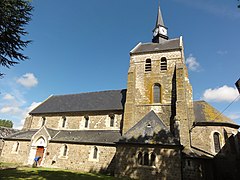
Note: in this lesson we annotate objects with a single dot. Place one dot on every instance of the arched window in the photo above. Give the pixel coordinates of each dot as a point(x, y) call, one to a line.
point(163, 63)
point(112, 116)
point(65, 150)
point(43, 121)
point(86, 117)
point(95, 152)
point(146, 159)
point(148, 65)
point(140, 160)
point(156, 93)
point(216, 139)
point(17, 146)
point(64, 121)
point(152, 160)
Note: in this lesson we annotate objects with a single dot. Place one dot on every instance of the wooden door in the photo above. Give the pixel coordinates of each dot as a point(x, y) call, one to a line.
point(39, 152)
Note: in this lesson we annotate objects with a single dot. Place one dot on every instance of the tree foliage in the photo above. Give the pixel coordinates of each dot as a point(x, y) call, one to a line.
point(14, 16)
point(6, 123)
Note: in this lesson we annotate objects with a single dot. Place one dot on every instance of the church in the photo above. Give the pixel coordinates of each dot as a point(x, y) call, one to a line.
point(151, 130)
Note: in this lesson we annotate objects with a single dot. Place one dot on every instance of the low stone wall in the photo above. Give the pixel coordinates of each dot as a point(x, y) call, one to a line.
point(3, 133)
point(80, 157)
point(167, 163)
point(13, 154)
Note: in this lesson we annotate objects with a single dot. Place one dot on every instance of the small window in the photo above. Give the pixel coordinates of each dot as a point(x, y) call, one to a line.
point(216, 139)
point(65, 150)
point(64, 121)
point(140, 160)
point(152, 160)
point(86, 117)
point(163, 63)
point(112, 117)
point(156, 93)
point(148, 65)
point(17, 146)
point(95, 152)
point(43, 121)
point(148, 131)
point(146, 159)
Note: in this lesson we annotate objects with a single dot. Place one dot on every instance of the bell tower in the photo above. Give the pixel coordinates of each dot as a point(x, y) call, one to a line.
point(158, 82)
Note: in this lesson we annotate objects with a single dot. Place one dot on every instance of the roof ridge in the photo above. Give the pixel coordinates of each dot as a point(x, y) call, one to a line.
point(146, 43)
point(88, 92)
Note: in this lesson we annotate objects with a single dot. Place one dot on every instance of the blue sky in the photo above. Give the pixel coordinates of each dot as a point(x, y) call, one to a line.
point(83, 46)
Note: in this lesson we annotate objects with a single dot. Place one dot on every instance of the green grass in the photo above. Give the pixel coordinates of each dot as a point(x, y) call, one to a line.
point(13, 171)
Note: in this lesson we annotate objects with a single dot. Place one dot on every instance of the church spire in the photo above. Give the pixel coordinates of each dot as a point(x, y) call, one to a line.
point(160, 31)
point(159, 21)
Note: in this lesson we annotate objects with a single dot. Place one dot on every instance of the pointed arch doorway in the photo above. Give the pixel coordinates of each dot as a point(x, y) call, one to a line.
point(38, 149)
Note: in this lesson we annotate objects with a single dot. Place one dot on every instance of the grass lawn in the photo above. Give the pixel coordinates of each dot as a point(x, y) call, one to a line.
point(11, 171)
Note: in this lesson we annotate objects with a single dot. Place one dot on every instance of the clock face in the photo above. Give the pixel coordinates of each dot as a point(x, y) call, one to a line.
point(155, 32)
point(163, 31)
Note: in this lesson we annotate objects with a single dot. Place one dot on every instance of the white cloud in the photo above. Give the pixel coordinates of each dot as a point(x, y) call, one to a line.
point(192, 63)
point(8, 97)
point(32, 106)
point(221, 94)
point(221, 52)
point(10, 110)
point(234, 116)
point(28, 80)
point(19, 111)
point(24, 114)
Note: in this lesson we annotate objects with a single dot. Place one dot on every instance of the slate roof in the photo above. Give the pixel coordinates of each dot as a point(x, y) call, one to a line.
point(204, 112)
point(88, 136)
point(4, 131)
point(72, 136)
point(83, 102)
point(22, 135)
point(194, 153)
point(171, 44)
point(149, 130)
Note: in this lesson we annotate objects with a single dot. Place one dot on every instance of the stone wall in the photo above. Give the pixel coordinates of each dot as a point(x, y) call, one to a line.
point(13, 154)
point(140, 87)
point(76, 122)
point(202, 137)
point(167, 163)
point(80, 157)
point(197, 169)
point(3, 133)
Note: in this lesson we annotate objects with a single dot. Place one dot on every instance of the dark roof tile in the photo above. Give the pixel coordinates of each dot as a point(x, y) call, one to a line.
point(88, 136)
point(83, 102)
point(153, 47)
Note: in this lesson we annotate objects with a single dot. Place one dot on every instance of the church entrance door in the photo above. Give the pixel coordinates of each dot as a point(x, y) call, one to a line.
point(39, 153)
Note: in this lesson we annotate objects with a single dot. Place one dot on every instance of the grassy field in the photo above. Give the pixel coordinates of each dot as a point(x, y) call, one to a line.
point(13, 171)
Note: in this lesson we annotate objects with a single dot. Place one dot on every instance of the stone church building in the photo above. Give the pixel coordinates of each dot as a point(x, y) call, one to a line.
point(151, 130)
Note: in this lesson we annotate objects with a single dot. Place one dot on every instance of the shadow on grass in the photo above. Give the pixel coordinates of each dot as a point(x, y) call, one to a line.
point(38, 173)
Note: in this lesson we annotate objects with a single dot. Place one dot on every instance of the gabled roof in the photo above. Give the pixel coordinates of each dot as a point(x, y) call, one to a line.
point(83, 102)
point(171, 44)
point(149, 130)
point(205, 113)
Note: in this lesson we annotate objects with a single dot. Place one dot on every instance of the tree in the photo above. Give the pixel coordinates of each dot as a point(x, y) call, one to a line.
point(14, 16)
point(6, 123)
